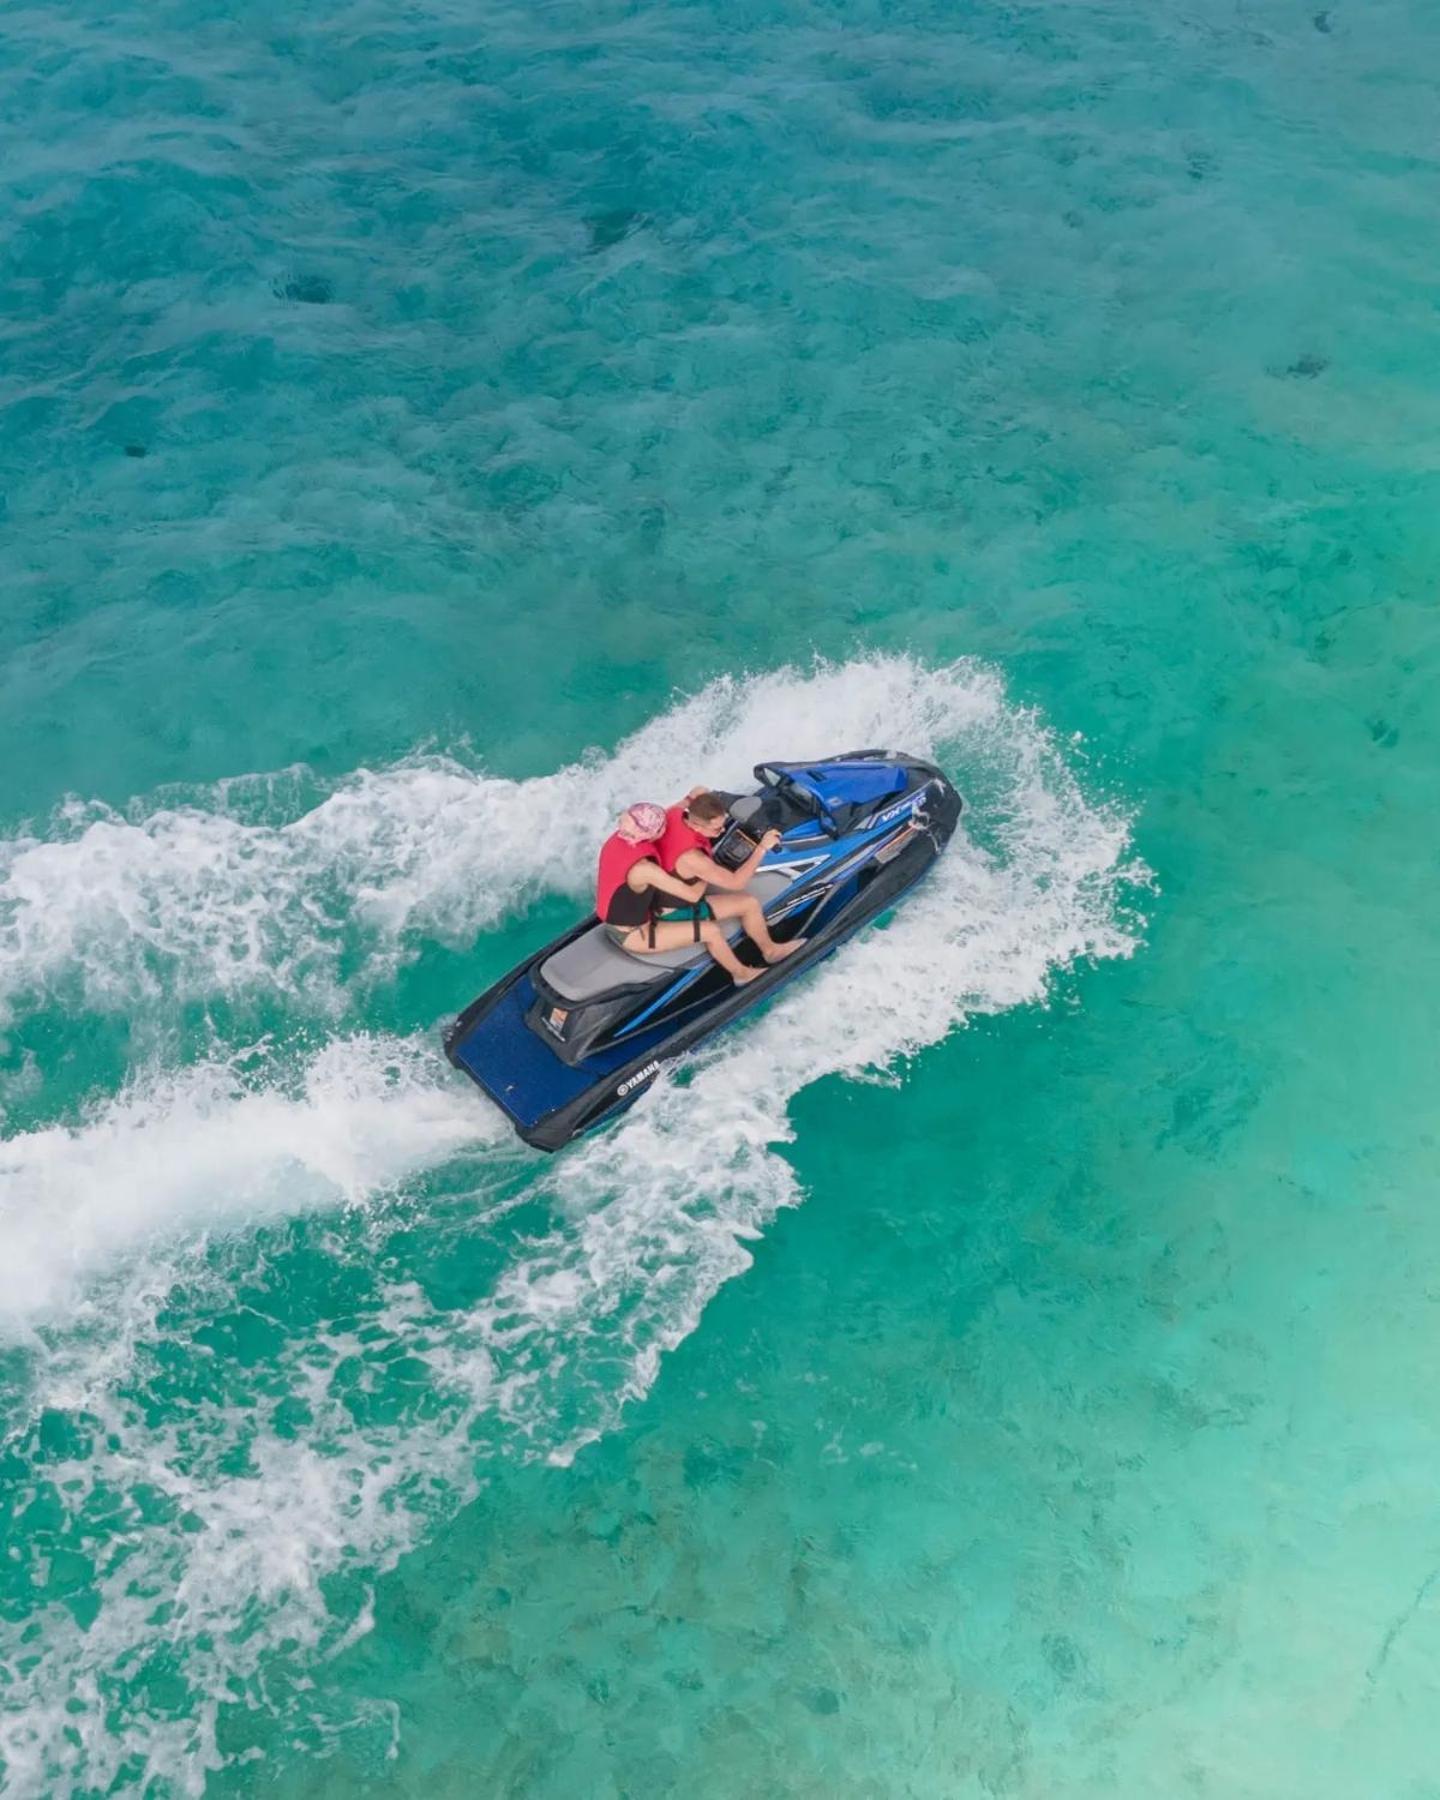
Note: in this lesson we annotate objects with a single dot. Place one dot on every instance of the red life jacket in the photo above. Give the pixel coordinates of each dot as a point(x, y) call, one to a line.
point(618, 856)
point(680, 837)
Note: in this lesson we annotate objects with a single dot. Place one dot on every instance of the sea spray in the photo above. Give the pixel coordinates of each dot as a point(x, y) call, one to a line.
point(229, 891)
point(221, 1145)
point(240, 1506)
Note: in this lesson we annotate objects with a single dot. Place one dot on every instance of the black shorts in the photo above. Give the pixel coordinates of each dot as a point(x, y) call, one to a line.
point(693, 914)
point(628, 909)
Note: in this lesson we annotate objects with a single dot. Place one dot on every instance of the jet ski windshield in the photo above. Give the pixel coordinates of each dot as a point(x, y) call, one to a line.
point(833, 793)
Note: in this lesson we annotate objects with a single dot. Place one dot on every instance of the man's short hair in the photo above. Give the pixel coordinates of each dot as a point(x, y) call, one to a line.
point(707, 808)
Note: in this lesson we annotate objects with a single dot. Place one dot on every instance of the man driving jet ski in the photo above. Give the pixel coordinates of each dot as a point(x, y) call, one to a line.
point(654, 854)
point(690, 829)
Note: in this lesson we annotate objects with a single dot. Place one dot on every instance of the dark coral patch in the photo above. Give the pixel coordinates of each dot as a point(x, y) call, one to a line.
point(309, 290)
point(612, 227)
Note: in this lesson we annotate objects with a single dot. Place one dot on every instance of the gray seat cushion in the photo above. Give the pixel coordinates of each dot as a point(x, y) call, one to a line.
point(594, 963)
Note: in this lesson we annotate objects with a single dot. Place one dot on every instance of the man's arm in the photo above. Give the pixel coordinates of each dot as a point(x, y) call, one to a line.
point(700, 867)
point(674, 885)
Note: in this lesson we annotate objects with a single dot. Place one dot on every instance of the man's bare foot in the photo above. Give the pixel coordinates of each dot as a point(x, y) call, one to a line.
point(746, 975)
point(784, 950)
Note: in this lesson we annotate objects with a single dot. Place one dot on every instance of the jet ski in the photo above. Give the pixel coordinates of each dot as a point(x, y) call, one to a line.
point(577, 1033)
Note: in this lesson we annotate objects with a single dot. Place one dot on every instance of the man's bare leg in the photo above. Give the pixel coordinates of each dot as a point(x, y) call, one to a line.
point(678, 935)
point(748, 910)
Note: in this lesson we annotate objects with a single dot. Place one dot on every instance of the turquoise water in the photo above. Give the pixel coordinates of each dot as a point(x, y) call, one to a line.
point(1005, 1367)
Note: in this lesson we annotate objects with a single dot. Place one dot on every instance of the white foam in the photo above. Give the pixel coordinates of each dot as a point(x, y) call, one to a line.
point(660, 1209)
point(221, 1145)
point(235, 1569)
point(204, 898)
point(99, 1222)
point(648, 1219)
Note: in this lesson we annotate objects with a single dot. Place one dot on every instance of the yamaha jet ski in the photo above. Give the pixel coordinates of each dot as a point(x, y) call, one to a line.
point(580, 1030)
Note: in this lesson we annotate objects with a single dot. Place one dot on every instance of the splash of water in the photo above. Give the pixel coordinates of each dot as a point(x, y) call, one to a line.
point(217, 1146)
point(226, 893)
point(247, 1529)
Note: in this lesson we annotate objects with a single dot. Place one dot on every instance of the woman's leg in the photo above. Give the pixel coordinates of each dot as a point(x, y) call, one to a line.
point(748, 910)
point(681, 934)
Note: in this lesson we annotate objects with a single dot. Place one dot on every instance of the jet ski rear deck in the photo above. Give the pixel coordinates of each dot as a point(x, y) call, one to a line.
point(576, 1033)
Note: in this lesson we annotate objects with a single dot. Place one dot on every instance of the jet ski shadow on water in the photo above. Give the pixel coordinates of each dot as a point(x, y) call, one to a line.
point(578, 1032)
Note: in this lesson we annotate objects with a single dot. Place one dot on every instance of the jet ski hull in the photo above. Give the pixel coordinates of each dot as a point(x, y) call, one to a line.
point(578, 1032)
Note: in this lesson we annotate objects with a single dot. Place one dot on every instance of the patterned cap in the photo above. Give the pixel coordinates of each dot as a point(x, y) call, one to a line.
point(642, 821)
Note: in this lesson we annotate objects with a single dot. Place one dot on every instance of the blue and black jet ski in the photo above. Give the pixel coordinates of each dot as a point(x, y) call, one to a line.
point(580, 1030)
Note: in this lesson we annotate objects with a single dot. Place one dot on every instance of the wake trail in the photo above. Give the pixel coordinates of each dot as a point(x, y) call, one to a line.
point(245, 889)
point(627, 1235)
point(221, 1146)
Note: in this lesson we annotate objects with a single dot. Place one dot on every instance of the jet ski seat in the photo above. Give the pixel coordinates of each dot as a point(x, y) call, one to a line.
point(593, 963)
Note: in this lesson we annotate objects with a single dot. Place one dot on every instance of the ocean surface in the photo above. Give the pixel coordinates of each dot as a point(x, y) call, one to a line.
point(1007, 1366)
